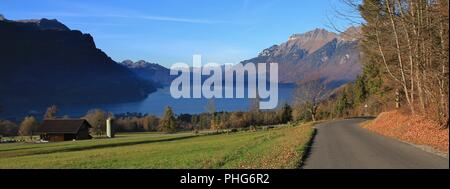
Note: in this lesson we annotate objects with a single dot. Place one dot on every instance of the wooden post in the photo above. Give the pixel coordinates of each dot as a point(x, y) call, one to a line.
point(397, 99)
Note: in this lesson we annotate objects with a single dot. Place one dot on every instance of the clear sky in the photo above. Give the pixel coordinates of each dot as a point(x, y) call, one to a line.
point(170, 31)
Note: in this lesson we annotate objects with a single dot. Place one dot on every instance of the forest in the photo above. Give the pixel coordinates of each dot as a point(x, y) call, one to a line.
point(404, 49)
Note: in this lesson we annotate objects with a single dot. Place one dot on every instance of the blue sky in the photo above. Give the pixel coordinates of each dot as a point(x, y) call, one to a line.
point(170, 31)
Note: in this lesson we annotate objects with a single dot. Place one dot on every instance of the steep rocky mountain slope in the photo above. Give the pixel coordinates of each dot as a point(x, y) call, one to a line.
point(44, 62)
point(150, 71)
point(319, 54)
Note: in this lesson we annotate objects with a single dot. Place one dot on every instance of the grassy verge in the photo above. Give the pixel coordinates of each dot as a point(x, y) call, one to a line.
point(281, 147)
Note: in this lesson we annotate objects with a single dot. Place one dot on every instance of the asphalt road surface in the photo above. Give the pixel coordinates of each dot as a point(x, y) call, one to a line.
point(344, 145)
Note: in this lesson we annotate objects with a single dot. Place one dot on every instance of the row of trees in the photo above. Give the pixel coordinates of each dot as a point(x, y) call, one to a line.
point(404, 45)
point(408, 41)
point(28, 125)
point(211, 119)
point(168, 123)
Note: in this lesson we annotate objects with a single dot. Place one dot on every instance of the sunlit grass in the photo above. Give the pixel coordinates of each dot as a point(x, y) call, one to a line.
point(276, 148)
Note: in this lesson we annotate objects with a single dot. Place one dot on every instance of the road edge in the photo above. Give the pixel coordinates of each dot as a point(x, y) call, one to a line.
point(308, 147)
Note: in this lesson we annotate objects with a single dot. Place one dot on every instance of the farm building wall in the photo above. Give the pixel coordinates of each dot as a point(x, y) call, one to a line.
point(54, 137)
point(83, 134)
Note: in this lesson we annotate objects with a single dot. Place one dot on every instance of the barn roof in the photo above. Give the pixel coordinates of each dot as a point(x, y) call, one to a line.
point(70, 126)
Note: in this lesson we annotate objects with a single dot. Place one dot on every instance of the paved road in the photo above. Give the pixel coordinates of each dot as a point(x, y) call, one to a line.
point(344, 145)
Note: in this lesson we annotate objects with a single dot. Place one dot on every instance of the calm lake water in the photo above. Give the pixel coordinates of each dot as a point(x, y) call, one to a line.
point(156, 102)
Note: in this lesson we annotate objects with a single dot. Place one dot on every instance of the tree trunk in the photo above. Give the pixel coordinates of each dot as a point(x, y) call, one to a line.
point(399, 56)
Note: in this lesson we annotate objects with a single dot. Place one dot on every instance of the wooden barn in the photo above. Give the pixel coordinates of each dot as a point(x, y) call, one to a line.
point(64, 130)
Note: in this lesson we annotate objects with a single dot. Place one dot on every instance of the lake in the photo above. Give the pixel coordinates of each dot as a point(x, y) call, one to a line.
point(155, 104)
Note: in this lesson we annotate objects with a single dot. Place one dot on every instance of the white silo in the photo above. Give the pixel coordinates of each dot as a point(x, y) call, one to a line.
point(109, 132)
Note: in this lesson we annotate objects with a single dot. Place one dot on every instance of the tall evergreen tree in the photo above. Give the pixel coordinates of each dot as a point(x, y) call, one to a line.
point(168, 122)
point(286, 113)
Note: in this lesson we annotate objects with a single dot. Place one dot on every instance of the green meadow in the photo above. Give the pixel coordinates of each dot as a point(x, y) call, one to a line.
point(281, 147)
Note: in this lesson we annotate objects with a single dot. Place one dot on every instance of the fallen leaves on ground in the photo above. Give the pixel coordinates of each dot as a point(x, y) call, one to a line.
point(411, 128)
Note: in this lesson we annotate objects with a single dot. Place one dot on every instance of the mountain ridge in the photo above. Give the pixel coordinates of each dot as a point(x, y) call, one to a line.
point(43, 61)
point(150, 71)
point(317, 54)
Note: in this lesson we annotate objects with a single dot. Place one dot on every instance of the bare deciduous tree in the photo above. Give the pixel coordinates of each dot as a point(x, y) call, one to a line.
point(308, 94)
point(411, 42)
point(51, 112)
point(28, 126)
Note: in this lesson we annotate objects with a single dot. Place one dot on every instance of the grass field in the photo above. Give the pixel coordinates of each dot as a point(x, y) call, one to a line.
point(276, 148)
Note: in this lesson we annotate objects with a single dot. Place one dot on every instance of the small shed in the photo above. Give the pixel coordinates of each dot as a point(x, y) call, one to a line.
point(64, 130)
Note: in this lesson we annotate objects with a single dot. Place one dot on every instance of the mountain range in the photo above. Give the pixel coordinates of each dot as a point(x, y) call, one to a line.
point(318, 54)
point(43, 61)
point(150, 71)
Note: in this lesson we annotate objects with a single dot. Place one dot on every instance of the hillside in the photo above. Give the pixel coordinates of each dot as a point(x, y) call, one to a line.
point(150, 71)
point(45, 62)
point(318, 54)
